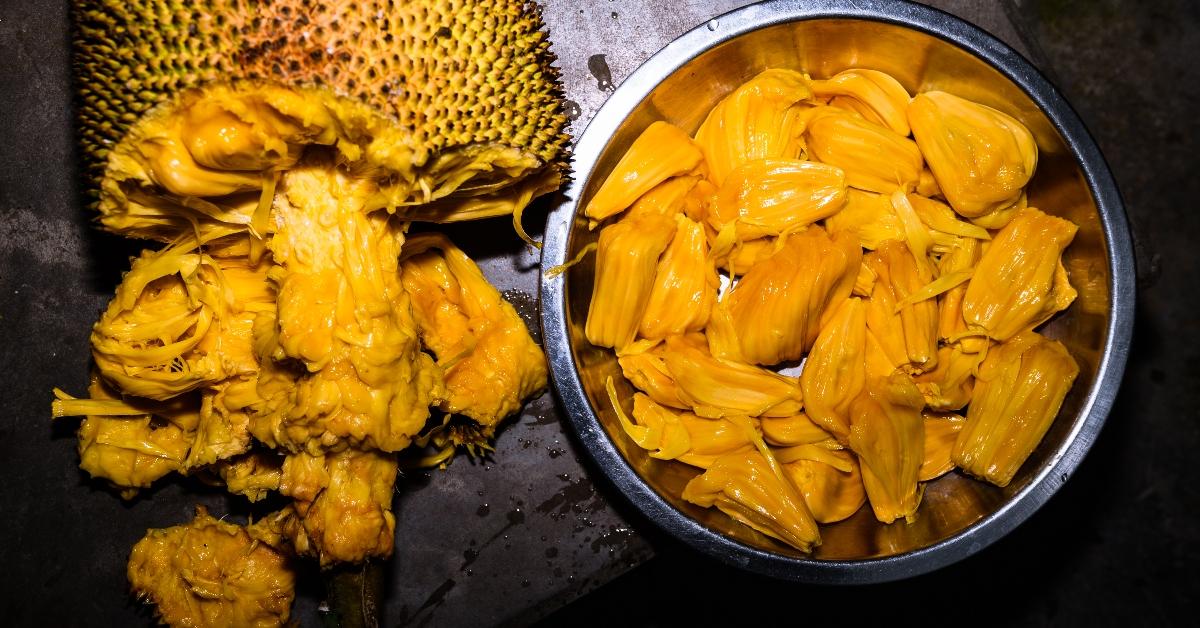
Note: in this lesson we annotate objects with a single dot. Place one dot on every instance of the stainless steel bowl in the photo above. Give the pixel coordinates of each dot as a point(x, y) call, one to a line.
point(925, 49)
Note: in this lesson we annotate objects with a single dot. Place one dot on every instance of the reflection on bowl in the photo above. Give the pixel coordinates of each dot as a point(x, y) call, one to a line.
point(925, 50)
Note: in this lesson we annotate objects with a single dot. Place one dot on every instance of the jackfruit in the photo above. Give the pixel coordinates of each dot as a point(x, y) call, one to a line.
point(1020, 281)
point(714, 387)
point(647, 371)
point(964, 256)
point(941, 430)
point(1019, 389)
point(906, 331)
point(775, 196)
point(834, 373)
point(761, 119)
point(681, 436)
point(215, 92)
point(888, 435)
point(685, 285)
point(662, 151)
point(253, 475)
point(869, 217)
point(744, 486)
point(667, 198)
point(876, 95)
point(626, 263)
point(875, 158)
point(831, 493)
point(949, 386)
point(790, 431)
point(981, 158)
point(778, 307)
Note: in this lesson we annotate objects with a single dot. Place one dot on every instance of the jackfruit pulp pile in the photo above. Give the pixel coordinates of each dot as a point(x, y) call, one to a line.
point(883, 239)
point(289, 334)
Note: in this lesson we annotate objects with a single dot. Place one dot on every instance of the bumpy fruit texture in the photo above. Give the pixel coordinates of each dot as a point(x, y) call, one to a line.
point(834, 373)
point(682, 436)
point(685, 285)
point(715, 388)
point(981, 158)
point(875, 95)
point(906, 331)
point(744, 486)
point(761, 119)
point(941, 430)
point(875, 158)
point(1020, 281)
point(832, 493)
point(777, 308)
point(1019, 389)
point(774, 196)
point(626, 263)
point(662, 151)
point(404, 90)
point(887, 433)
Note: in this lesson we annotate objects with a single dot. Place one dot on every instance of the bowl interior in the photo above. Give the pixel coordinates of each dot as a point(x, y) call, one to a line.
point(921, 62)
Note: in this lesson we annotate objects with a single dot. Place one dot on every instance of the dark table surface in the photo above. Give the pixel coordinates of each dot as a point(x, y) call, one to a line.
point(512, 538)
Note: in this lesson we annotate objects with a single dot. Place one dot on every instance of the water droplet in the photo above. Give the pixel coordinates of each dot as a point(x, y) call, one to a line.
point(525, 583)
point(614, 15)
point(714, 24)
point(483, 510)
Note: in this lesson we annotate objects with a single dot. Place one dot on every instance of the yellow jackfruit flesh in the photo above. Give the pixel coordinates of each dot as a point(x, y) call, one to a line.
point(685, 285)
point(1020, 281)
point(778, 306)
point(907, 332)
point(647, 371)
point(887, 433)
point(744, 486)
point(774, 196)
point(869, 217)
point(1019, 389)
point(875, 158)
point(715, 388)
point(941, 430)
point(834, 373)
point(667, 198)
point(626, 263)
point(790, 431)
point(253, 475)
point(949, 385)
point(877, 95)
point(682, 436)
point(761, 119)
point(662, 151)
point(830, 493)
point(981, 158)
point(962, 257)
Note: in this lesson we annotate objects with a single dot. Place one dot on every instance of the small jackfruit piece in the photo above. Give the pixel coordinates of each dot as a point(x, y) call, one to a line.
point(834, 373)
point(211, 573)
point(831, 493)
point(907, 331)
point(667, 198)
point(981, 158)
point(647, 371)
point(662, 151)
point(998, 218)
point(964, 256)
point(875, 158)
point(1020, 281)
point(774, 196)
point(761, 119)
point(869, 217)
point(682, 436)
point(130, 444)
point(1018, 392)
point(745, 255)
point(715, 388)
point(948, 387)
point(945, 227)
point(407, 94)
point(941, 430)
point(790, 431)
point(778, 306)
point(685, 285)
point(224, 427)
point(491, 364)
point(876, 95)
point(626, 267)
point(344, 504)
point(887, 433)
point(744, 486)
point(253, 475)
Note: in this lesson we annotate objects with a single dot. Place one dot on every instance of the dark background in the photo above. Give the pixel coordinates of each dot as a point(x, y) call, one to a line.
point(1118, 545)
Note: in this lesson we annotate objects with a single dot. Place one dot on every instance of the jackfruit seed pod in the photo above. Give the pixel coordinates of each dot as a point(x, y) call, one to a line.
point(962, 257)
point(250, 133)
point(884, 100)
point(682, 436)
point(626, 261)
point(834, 374)
point(774, 196)
point(949, 386)
point(875, 158)
point(1018, 392)
point(662, 151)
point(981, 158)
point(1020, 281)
point(945, 227)
point(869, 217)
point(888, 434)
point(790, 431)
point(716, 388)
point(831, 493)
point(647, 371)
point(744, 486)
point(941, 430)
point(666, 198)
point(685, 285)
point(907, 331)
point(758, 120)
point(779, 305)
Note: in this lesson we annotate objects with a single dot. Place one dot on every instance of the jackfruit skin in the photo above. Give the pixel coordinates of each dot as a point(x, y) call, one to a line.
point(431, 68)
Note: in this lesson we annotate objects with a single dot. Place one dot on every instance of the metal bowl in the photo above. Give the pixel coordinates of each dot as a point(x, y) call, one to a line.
point(925, 49)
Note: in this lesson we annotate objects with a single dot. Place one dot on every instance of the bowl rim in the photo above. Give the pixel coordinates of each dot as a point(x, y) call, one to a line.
point(1095, 408)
